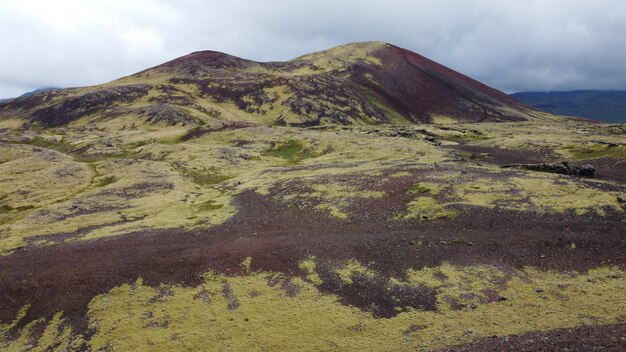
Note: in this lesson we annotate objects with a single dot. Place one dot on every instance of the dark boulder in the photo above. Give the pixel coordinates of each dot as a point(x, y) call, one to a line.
point(584, 171)
point(562, 169)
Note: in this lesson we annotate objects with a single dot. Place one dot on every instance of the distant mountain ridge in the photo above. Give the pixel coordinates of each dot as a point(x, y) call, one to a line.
point(359, 83)
point(607, 106)
point(33, 92)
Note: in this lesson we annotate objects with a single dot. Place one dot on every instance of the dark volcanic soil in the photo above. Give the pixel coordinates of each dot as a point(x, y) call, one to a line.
point(607, 338)
point(499, 156)
point(277, 237)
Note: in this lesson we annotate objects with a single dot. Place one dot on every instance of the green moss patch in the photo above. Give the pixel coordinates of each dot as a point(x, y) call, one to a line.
point(292, 150)
point(425, 187)
point(5, 209)
point(106, 180)
point(427, 208)
point(202, 177)
point(419, 189)
point(208, 178)
point(209, 205)
point(594, 151)
point(58, 145)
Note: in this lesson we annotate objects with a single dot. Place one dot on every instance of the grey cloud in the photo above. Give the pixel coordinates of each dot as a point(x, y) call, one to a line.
point(511, 45)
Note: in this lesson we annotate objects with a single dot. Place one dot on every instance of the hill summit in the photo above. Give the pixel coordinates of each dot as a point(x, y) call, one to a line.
point(360, 83)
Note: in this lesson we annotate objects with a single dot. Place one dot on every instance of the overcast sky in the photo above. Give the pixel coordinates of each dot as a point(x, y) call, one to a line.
point(512, 45)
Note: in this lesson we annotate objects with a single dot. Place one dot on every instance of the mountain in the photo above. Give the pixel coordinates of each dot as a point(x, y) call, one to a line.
point(361, 83)
point(604, 105)
point(38, 91)
point(34, 92)
point(122, 230)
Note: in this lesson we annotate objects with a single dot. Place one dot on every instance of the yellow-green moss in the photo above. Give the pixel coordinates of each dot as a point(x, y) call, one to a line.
point(206, 172)
point(426, 187)
point(351, 267)
point(427, 208)
point(209, 205)
point(57, 336)
point(245, 264)
point(105, 181)
point(545, 194)
point(332, 210)
point(594, 151)
point(527, 191)
point(487, 192)
point(184, 184)
point(333, 198)
point(442, 119)
point(309, 268)
point(292, 150)
point(144, 194)
point(265, 316)
point(340, 57)
point(20, 314)
point(400, 174)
